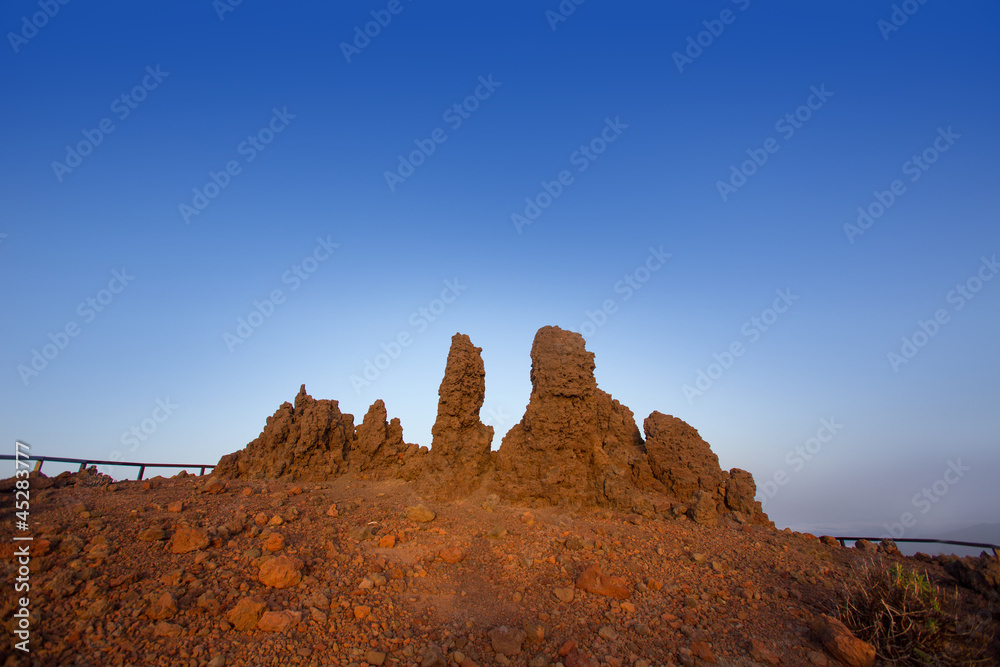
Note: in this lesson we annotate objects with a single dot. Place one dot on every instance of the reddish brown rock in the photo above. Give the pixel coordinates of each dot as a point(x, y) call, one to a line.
point(164, 629)
point(278, 621)
point(702, 651)
point(452, 554)
point(594, 581)
point(306, 441)
point(841, 644)
point(280, 572)
point(378, 451)
point(740, 495)
point(575, 445)
point(759, 652)
point(679, 458)
point(460, 455)
point(274, 542)
point(163, 607)
point(246, 614)
point(188, 539)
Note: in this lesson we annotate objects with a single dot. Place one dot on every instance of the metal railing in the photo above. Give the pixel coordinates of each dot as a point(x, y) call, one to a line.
point(85, 462)
point(980, 545)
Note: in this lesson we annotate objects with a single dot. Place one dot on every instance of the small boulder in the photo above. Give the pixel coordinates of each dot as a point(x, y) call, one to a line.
point(278, 621)
point(186, 540)
point(841, 644)
point(245, 615)
point(507, 640)
point(594, 581)
point(279, 572)
point(420, 514)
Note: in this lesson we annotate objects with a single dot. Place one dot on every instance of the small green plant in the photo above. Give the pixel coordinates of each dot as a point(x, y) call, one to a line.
point(906, 618)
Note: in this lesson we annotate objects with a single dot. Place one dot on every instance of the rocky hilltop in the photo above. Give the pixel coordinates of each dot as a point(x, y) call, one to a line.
point(581, 542)
point(576, 446)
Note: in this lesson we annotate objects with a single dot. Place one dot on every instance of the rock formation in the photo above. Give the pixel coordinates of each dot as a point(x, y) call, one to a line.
point(306, 441)
point(460, 450)
point(679, 458)
point(575, 445)
point(378, 451)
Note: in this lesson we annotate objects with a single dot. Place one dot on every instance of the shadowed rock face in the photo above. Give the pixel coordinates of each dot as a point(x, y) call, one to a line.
point(307, 441)
point(378, 451)
point(460, 450)
point(575, 445)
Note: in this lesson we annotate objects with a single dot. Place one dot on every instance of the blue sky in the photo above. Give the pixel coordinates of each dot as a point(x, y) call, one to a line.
point(182, 164)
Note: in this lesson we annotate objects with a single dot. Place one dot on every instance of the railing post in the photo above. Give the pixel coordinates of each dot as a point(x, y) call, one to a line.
point(142, 469)
point(38, 465)
point(202, 473)
point(83, 466)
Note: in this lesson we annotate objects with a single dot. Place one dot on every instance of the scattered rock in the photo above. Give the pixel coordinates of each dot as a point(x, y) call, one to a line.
point(152, 535)
point(274, 542)
point(186, 540)
point(594, 581)
point(278, 621)
point(452, 554)
point(163, 607)
point(376, 658)
point(507, 641)
point(245, 615)
point(702, 651)
point(164, 629)
point(841, 644)
point(760, 653)
point(564, 594)
point(279, 572)
point(420, 514)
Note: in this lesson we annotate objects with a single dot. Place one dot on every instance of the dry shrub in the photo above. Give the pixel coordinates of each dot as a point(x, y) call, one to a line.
point(910, 621)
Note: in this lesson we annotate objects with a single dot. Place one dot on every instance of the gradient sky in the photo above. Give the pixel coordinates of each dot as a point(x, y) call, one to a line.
point(309, 129)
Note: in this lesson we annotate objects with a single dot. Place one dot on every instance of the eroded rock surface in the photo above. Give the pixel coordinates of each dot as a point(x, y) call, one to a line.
point(308, 440)
point(460, 455)
point(575, 445)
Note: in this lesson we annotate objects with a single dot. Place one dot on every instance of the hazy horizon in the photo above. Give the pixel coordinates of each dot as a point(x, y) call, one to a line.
point(777, 222)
